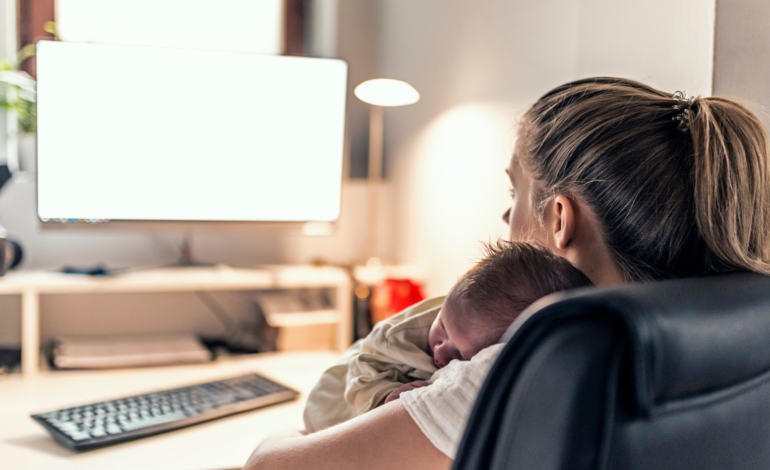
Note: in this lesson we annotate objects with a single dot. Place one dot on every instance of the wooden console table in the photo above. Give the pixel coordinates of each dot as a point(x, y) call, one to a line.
point(32, 284)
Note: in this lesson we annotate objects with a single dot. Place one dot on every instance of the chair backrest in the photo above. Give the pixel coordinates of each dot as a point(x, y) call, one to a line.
point(660, 375)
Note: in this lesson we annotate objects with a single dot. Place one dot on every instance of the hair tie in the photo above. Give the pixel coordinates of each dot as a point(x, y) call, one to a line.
point(684, 108)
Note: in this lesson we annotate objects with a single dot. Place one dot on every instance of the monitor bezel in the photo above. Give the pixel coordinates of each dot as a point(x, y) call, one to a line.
point(153, 225)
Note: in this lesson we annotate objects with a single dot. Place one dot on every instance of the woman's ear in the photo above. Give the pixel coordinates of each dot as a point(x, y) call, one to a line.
point(561, 222)
point(575, 234)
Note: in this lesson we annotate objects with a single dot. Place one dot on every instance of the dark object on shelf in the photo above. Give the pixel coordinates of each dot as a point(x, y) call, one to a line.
point(5, 175)
point(98, 270)
point(259, 336)
point(9, 359)
point(111, 422)
point(362, 318)
point(11, 253)
point(250, 335)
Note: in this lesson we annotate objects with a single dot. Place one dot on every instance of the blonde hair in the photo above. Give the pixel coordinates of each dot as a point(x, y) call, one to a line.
point(679, 188)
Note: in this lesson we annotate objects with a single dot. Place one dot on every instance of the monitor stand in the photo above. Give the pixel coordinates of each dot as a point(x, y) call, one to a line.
point(186, 256)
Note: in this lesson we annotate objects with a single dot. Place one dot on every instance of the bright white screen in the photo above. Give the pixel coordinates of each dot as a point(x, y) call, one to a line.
point(130, 133)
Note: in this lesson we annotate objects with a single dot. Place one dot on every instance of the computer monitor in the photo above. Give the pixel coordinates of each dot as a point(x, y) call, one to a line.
point(171, 135)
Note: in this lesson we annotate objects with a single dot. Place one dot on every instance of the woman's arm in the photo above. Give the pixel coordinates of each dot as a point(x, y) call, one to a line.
point(384, 438)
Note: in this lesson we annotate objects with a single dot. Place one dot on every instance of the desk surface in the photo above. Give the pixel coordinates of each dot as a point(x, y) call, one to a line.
point(218, 444)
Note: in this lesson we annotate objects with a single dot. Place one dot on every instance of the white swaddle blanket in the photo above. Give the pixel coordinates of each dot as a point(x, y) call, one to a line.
point(442, 409)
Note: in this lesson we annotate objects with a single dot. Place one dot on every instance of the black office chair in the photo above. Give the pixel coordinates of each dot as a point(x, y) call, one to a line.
point(662, 375)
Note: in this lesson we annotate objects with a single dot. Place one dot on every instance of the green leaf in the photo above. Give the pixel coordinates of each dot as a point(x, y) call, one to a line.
point(50, 27)
point(25, 53)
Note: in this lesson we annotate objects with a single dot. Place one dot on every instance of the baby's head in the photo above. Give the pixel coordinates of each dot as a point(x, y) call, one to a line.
point(486, 299)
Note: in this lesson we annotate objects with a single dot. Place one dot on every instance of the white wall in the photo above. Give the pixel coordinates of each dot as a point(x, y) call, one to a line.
point(741, 59)
point(479, 65)
point(253, 26)
point(667, 44)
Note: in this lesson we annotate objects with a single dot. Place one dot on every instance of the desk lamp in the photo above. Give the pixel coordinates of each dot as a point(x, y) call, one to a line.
point(379, 93)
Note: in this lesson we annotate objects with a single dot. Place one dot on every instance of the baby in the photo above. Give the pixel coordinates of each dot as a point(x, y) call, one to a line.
point(402, 352)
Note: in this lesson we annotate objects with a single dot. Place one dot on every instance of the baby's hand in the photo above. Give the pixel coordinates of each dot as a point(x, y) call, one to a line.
point(395, 394)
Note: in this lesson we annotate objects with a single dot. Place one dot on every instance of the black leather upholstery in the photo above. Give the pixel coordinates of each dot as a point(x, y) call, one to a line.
point(662, 375)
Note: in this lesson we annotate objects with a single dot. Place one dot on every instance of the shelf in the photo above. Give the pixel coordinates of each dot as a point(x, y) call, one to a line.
point(32, 284)
point(318, 317)
point(373, 276)
point(183, 279)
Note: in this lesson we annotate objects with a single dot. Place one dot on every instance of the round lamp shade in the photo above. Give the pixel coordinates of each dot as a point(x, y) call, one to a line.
point(386, 92)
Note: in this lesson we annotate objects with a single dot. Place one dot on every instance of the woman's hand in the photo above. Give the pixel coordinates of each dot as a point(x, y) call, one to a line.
point(384, 438)
point(396, 394)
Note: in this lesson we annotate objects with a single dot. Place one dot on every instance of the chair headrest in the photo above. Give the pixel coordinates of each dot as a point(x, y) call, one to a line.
point(687, 336)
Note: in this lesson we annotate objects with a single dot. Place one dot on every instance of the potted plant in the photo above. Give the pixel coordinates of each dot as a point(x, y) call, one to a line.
point(18, 96)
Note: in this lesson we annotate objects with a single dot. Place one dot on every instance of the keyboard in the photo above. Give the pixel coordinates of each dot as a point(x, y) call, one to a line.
point(111, 422)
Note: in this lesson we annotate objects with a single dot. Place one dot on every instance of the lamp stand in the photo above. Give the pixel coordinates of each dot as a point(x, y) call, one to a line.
point(371, 248)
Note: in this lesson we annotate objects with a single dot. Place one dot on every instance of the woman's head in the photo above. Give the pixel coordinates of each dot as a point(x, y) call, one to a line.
point(675, 187)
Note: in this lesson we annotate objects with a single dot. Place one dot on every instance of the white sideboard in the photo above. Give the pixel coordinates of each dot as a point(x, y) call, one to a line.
point(33, 284)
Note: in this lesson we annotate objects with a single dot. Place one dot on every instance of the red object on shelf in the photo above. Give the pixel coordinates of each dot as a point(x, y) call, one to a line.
point(392, 296)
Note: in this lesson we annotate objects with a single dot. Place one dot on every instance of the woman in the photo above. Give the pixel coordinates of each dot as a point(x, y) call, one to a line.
point(626, 182)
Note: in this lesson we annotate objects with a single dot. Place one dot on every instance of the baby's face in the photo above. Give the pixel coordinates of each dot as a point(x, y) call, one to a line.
point(447, 341)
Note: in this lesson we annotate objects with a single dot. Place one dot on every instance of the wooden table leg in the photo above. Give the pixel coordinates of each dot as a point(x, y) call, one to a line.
point(30, 332)
point(344, 334)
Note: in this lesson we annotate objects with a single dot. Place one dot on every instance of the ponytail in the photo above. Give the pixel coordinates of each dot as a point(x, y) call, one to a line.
point(731, 184)
point(680, 187)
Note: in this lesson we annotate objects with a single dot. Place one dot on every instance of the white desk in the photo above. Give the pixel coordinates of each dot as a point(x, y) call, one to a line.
point(219, 444)
point(32, 284)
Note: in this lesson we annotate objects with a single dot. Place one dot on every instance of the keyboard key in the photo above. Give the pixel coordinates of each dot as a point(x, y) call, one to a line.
point(113, 429)
point(154, 421)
